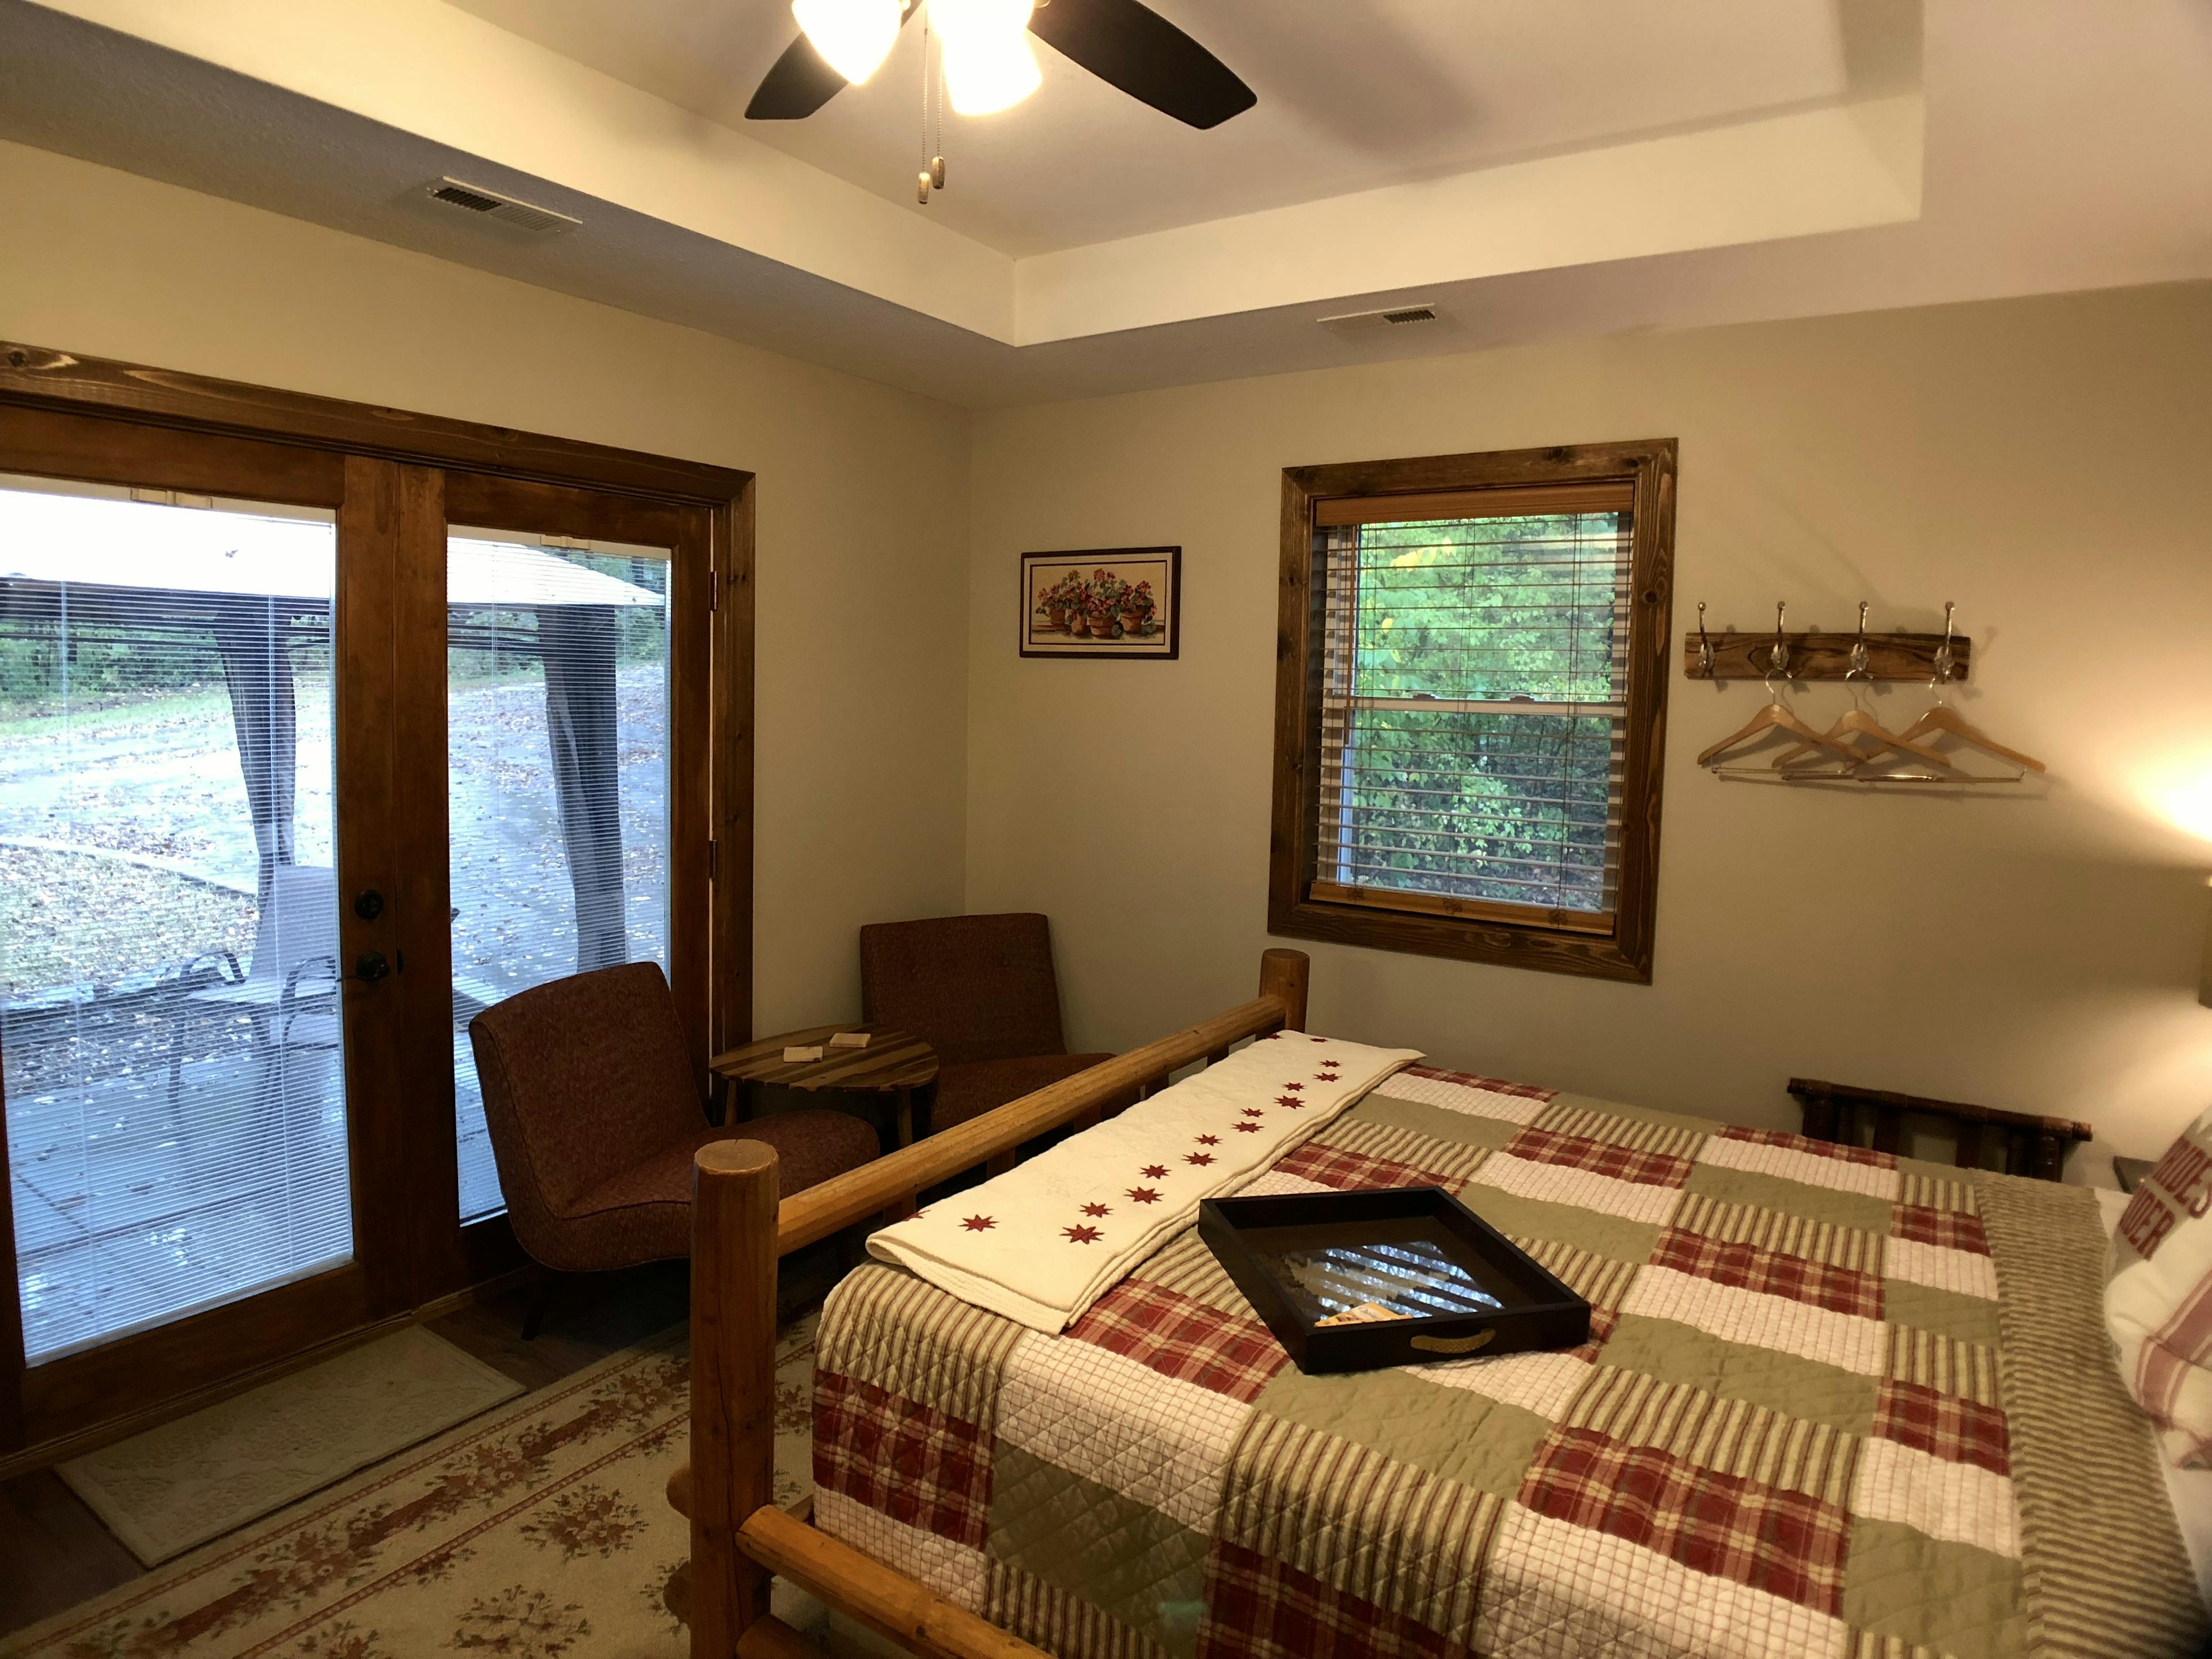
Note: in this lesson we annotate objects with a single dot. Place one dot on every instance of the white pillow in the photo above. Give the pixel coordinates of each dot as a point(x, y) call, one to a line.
point(2158, 1295)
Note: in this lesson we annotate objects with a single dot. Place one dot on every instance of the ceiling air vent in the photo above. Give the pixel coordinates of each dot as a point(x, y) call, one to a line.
point(490, 205)
point(1366, 322)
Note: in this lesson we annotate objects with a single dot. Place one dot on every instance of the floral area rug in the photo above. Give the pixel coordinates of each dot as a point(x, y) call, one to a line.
point(540, 1530)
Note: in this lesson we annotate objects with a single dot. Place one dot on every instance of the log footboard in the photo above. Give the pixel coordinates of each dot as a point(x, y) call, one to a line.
point(739, 1232)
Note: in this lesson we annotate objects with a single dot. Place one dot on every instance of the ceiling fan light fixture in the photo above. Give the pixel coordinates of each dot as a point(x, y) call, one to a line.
point(988, 64)
point(854, 36)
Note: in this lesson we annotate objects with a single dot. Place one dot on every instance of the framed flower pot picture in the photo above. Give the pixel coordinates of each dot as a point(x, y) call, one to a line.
point(1114, 602)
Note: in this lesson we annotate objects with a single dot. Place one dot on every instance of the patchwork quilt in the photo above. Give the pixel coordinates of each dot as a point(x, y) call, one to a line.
point(1835, 1403)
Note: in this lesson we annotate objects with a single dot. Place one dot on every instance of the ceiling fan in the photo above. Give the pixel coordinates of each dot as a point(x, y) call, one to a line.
point(987, 62)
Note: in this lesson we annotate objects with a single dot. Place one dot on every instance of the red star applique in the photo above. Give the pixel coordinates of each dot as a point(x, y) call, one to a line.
point(1253, 1111)
point(1143, 1195)
point(1321, 1039)
point(1291, 1101)
point(1154, 1171)
point(1209, 1140)
point(1097, 1210)
point(1325, 1077)
point(1294, 1087)
point(1198, 1157)
point(1083, 1235)
point(979, 1223)
point(1248, 1129)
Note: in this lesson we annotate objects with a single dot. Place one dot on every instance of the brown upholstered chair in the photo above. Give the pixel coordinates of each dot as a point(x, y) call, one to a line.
point(595, 1112)
point(981, 990)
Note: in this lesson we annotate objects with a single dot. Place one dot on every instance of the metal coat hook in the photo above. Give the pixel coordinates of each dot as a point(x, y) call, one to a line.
point(1944, 654)
point(1858, 669)
point(1778, 661)
point(1704, 644)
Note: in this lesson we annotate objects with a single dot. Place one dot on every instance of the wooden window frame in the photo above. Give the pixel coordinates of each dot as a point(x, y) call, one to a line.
point(395, 480)
point(1464, 929)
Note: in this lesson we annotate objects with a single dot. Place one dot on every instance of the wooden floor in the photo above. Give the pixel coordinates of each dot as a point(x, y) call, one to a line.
point(54, 1552)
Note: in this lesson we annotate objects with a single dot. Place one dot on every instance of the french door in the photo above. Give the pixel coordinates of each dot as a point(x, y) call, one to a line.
point(307, 757)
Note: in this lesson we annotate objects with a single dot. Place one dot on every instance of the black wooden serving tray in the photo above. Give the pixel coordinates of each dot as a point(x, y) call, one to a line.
point(1303, 1256)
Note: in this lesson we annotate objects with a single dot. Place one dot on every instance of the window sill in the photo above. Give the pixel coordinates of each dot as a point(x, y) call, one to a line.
point(1506, 945)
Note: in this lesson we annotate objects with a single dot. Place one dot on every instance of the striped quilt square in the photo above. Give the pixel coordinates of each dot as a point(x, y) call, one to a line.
point(1953, 1229)
point(1605, 1158)
point(914, 1463)
point(1469, 1096)
point(1961, 1503)
point(1814, 1239)
point(1730, 1436)
point(1391, 1144)
point(1735, 1315)
point(1783, 1542)
point(1940, 1268)
point(1180, 1338)
point(1639, 1133)
point(1583, 1189)
point(1839, 1290)
point(1350, 1171)
point(1945, 1425)
point(1929, 1192)
point(1967, 1369)
point(1792, 1157)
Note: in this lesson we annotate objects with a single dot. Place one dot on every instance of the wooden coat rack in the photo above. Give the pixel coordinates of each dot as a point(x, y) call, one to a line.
point(1736, 656)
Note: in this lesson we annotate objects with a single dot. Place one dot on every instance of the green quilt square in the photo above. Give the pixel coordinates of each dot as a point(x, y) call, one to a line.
point(1717, 1180)
point(1453, 1433)
point(1959, 1600)
point(1783, 1382)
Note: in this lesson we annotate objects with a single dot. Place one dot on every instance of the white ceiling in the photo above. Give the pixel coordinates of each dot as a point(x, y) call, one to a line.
point(1353, 96)
point(2009, 146)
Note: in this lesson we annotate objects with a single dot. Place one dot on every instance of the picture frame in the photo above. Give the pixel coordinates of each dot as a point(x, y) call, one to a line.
point(1124, 603)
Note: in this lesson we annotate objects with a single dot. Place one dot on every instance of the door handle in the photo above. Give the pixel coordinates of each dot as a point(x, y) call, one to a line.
point(370, 966)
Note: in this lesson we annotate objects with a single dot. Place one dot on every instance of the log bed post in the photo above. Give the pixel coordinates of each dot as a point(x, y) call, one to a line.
point(739, 1229)
point(733, 1260)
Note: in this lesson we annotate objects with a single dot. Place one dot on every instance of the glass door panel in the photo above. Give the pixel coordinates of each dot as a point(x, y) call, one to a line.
point(169, 1025)
point(557, 745)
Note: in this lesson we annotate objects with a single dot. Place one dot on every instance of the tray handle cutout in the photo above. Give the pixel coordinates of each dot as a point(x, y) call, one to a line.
point(1453, 1343)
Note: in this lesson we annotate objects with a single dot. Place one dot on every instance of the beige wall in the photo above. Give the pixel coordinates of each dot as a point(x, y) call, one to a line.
point(862, 496)
point(2043, 463)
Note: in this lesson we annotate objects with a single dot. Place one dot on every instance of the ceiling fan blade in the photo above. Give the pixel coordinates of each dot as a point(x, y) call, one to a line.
point(1131, 46)
point(796, 85)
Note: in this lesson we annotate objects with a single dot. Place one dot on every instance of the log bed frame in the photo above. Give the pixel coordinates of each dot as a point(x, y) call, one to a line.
point(739, 1232)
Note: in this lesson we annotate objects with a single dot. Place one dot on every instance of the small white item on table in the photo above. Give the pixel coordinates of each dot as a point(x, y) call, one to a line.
point(797, 1056)
point(849, 1040)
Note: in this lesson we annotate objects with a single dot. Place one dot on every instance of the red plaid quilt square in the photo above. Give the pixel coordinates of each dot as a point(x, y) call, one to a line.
point(1257, 1607)
point(1181, 1337)
point(1953, 1229)
point(913, 1462)
point(1798, 1143)
point(1746, 1267)
point(1351, 1171)
point(1945, 1425)
point(1472, 1080)
point(1599, 1157)
point(1782, 1542)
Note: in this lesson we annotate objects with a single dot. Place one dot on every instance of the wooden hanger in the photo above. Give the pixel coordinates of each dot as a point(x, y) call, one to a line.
point(1775, 717)
point(1942, 717)
point(1857, 722)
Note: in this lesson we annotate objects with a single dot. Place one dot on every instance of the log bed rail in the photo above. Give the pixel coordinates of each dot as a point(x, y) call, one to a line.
point(739, 1537)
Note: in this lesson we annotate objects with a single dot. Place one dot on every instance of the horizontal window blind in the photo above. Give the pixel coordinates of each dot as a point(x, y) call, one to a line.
point(169, 1013)
point(1474, 703)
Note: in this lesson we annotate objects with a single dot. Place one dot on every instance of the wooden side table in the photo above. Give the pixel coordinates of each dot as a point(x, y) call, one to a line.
point(894, 1063)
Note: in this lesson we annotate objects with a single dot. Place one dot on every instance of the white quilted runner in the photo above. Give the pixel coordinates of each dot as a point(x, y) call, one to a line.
point(1043, 1242)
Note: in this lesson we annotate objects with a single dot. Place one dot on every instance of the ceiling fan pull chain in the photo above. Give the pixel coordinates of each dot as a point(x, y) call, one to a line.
point(927, 178)
point(934, 87)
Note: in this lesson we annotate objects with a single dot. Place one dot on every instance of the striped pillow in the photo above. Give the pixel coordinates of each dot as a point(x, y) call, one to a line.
point(2158, 1295)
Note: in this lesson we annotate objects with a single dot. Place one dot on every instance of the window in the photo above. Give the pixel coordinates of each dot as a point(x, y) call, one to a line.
point(1471, 705)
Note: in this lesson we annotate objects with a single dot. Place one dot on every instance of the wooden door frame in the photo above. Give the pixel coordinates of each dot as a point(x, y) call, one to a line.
point(393, 475)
